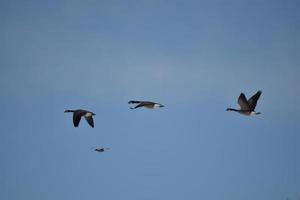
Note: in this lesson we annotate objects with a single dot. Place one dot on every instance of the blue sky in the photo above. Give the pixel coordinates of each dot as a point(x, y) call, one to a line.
point(195, 57)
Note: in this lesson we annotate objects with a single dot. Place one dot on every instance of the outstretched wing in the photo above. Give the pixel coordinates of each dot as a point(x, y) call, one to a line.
point(253, 100)
point(242, 101)
point(76, 118)
point(130, 102)
point(90, 121)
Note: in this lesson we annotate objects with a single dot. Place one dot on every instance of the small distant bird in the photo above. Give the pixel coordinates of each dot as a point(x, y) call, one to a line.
point(77, 114)
point(146, 104)
point(101, 149)
point(247, 106)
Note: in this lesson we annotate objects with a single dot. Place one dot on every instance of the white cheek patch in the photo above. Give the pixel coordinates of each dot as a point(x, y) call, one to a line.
point(156, 106)
point(88, 114)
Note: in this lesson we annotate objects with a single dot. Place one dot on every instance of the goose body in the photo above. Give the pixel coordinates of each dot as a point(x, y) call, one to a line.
point(101, 149)
point(146, 104)
point(247, 107)
point(77, 114)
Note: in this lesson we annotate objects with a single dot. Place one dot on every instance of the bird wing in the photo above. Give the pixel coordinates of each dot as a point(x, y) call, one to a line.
point(253, 100)
point(131, 102)
point(242, 101)
point(90, 120)
point(142, 104)
point(76, 118)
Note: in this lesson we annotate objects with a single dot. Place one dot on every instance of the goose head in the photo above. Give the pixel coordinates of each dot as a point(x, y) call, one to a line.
point(157, 105)
point(255, 113)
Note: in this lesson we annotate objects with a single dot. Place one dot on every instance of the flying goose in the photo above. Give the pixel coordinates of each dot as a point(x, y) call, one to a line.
point(101, 149)
point(146, 104)
point(77, 114)
point(247, 106)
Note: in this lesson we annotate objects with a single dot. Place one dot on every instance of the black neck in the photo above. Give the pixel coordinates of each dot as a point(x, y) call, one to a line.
point(231, 109)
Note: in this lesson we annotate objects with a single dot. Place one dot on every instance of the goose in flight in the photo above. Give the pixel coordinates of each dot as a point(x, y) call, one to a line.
point(247, 106)
point(77, 114)
point(146, 104)
point(101, 149)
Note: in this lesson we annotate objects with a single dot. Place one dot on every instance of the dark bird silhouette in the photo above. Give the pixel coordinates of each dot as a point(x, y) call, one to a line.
point(101, 149)
point(146, 104)
point(77, 114)
point(247, 106)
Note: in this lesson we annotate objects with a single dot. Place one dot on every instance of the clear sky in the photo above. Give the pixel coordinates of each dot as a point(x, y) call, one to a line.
point(195, 57)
